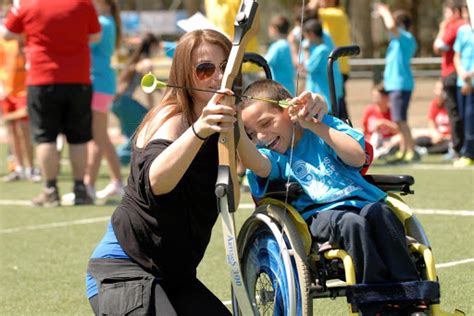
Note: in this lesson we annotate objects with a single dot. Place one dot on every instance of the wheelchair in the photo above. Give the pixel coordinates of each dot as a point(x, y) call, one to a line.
point(284, 271)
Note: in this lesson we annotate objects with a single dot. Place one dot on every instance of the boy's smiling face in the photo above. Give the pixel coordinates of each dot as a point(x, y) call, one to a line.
point(268, 126)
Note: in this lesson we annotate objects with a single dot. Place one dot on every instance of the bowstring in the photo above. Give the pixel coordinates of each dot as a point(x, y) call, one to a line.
point(293, 129)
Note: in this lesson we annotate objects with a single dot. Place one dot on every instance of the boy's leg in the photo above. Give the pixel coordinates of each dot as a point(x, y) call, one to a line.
point(389, 239)
point(351, 232)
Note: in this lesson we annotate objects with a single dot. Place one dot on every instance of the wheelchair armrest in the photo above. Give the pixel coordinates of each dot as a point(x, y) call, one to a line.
point(398, 183)
point(277, 190)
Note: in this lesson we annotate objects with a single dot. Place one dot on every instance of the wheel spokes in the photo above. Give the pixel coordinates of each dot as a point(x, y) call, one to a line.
point(265, 297)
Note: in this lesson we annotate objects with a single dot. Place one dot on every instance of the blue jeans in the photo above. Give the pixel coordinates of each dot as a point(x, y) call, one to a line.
point(466, 111)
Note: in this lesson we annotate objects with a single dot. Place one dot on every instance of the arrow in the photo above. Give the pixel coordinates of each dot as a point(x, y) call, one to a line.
point(150, 83)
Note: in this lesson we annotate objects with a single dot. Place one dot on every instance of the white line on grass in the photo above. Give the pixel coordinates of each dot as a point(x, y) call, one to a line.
point(242, 206)
point(15, 203)
point(55, 225)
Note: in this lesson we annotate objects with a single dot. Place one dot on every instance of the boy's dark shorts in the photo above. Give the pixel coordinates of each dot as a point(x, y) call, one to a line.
point(60, 108)
point(399, 101)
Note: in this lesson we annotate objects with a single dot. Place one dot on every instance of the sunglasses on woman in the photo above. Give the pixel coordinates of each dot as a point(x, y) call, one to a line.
point(206, 70)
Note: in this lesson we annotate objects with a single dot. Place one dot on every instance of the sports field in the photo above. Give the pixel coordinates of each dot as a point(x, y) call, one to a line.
point(44, 252)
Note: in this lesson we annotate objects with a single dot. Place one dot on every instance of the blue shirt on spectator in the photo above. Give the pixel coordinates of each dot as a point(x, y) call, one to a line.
point(102, 74)
point(317, 79)
point(464, 45)
point(279, 59)
point(397, 75)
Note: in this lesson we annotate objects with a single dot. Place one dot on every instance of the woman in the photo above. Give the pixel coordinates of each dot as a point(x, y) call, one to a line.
point(160, 231)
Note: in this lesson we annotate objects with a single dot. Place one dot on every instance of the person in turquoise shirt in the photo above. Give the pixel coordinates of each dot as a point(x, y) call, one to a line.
point(279, 53)
point(464, 63)
point(339, 206)
point(398, 77)
point(315, 63)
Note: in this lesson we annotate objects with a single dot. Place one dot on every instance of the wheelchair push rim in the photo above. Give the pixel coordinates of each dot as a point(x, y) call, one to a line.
point(271, 270)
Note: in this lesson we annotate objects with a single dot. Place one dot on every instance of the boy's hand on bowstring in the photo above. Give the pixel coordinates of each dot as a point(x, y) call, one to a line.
point(216, 117)
point(307, 109)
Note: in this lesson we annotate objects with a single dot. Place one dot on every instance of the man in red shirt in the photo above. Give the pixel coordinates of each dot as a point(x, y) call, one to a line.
point(58, 83)
point(444, 45)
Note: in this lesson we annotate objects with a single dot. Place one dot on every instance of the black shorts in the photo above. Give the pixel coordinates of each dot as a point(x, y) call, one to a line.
point(60, 108)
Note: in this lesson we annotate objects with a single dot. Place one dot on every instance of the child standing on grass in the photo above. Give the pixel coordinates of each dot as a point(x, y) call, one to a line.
point(464, 63)
point(338, 204)
point(279, 53)
point(398, 77)
point(15, 116)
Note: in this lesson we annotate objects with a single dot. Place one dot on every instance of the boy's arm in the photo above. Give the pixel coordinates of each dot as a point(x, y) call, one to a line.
point(16, 115)
point(387, 17)
point(250, 156)
point(346, 147)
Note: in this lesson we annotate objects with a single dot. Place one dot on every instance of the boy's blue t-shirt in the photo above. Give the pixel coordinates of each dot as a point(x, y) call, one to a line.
point(108, 247)
point(279, 59)
point(102, 73)
point(397, 75)
point(464, 45)
point(317, 78)
point(328, 183)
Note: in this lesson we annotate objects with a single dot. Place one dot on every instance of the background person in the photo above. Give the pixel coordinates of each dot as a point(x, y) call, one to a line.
point(379, 129)
point(316, 54)
point(15, 116)
point(335, 21)
point(58, 84)
point(464, 63)
point(129, 111)
point(104, 87)
point(438, 138)
point(163, 224)
point(398, 78)
point(279, 56)
point(443, 44)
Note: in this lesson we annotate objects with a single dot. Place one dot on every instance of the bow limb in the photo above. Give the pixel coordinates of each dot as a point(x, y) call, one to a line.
point(227, 186)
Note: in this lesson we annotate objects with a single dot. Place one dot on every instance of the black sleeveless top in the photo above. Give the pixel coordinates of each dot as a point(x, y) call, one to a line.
point(167, 235)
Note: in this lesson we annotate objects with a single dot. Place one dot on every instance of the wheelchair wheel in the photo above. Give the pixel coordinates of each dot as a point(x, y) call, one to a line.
point(273, 268)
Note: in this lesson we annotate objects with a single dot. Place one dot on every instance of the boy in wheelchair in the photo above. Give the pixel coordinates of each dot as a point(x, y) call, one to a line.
point(324, 155)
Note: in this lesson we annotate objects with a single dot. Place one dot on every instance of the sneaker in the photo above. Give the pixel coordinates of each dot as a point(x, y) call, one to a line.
point(48, 198)
point(70, 198)
point(411, 156)
point(112, 189)
point(463, 162)
point(13, 176)
point(396, 158)
point(81, 196)
point(33, 175)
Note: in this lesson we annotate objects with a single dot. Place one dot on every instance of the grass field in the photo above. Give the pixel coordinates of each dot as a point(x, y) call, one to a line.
point(44, 252)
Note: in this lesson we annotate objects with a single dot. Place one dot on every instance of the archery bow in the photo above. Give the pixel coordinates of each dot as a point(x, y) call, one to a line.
point(227, 185)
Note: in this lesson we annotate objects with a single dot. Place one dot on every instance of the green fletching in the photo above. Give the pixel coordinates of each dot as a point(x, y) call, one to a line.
point(283, 103)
